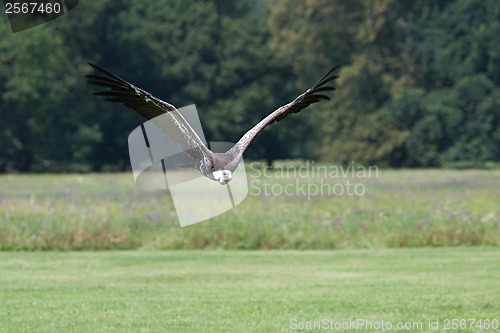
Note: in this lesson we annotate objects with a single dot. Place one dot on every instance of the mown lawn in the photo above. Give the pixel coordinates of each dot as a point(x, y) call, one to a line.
point(397, 208)
point(246, 291)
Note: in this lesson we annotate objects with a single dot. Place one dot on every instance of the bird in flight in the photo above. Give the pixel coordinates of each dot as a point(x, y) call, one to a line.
point(215, 166)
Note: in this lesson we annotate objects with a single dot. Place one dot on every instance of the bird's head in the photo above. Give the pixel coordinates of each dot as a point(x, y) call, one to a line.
point(223, 176)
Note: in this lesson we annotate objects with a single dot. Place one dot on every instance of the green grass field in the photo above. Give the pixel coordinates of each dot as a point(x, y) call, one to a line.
point(399, 208)
point(417, 247)
point(247, 291)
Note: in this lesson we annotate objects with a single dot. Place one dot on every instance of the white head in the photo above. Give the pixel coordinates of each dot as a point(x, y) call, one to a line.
point(223, 176)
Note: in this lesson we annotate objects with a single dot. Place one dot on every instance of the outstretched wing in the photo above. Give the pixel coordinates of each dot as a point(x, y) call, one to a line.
point(312, 95)
point(150, 107)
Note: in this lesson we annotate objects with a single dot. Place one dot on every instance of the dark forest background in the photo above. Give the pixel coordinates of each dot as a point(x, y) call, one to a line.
point(420, 85)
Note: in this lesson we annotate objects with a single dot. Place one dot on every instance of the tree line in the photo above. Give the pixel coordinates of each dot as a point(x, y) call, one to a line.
point(419, 86)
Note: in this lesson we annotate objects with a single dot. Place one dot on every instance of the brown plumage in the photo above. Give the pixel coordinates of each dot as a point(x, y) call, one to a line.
point(216, 166)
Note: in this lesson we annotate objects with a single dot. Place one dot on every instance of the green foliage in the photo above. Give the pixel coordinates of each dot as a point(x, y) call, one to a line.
point(455, 48)
point(358, 125)
point(427, 97)
point(41, 123)
point(311, 37)
point(450, 124)
point(419, 86)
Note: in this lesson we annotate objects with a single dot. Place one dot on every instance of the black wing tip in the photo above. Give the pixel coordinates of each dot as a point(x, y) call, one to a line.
point(327, 76)
point(335, 68)
point(102, 70)
point(91, 64)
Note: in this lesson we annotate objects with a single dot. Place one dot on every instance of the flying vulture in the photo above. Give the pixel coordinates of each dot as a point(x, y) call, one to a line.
point(215, 166)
